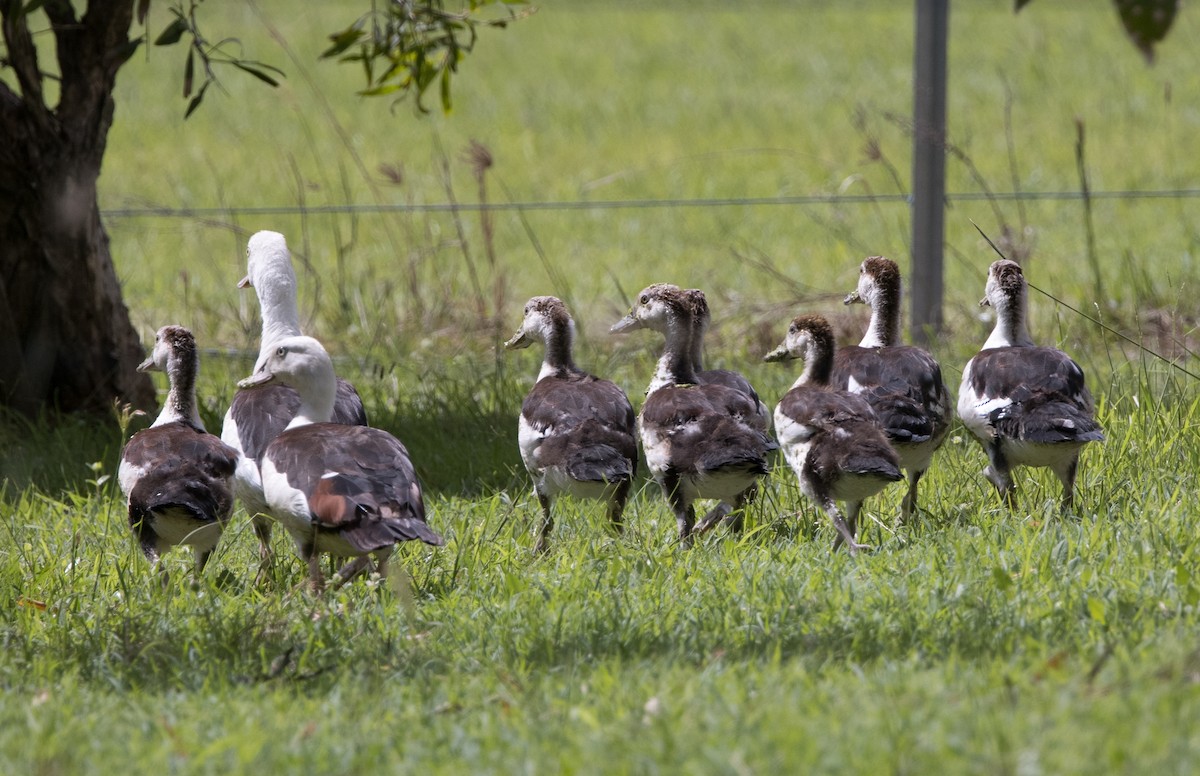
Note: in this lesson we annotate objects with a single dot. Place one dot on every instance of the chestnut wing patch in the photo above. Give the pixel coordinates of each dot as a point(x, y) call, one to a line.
point(358, 481)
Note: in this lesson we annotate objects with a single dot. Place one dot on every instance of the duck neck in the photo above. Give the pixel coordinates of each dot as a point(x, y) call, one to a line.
point(316, 404)
point(884, 329)
point(557, 360)
point(818, 366)
point(699, 328)
point(181, 396)
point(675, 366)
point(277, 300)
point(1010, 329)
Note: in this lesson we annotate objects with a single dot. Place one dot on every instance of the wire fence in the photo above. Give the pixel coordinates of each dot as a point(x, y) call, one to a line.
point(641, 204)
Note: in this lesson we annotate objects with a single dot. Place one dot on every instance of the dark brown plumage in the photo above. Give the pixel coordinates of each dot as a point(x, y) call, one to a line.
point(831, 438)
point(575, 431)
point(700, 440)
point(176, 477)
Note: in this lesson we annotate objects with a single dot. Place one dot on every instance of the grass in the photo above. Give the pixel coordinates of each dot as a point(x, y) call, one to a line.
point(972, 641)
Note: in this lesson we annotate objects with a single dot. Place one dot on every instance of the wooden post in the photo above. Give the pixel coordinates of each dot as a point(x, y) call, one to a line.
point(929, 168)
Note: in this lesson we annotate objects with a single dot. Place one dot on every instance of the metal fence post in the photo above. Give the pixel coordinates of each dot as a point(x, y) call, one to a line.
point(929, 167)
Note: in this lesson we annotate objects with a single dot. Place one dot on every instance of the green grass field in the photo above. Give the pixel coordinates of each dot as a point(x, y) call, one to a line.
point(974, 640)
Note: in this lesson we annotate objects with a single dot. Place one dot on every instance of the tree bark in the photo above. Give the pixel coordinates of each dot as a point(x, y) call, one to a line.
point(66, 341)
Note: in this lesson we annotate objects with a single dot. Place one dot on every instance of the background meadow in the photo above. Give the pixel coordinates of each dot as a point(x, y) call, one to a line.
point(758, 151)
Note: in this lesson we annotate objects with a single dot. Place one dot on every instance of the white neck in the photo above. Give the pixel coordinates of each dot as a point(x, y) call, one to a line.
point(276, 290)
point(1010, 329)
point(810, 364)
point(883, 328)
point(316, 405)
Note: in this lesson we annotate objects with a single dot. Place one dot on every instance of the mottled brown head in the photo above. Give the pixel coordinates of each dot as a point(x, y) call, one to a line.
point(544, 315)
point(805, 332)
point(878, 280)
point(172, 343)
point(656, 307)
point(1005, 284)
point(699, 304)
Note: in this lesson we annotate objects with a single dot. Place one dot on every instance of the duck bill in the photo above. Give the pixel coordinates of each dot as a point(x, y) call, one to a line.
point(245, 283)
point(148, 366)
point(778, 354)
point(518, 341)
point(852, 298)
point(256, 379)
point(984, 302)
point(628, 323)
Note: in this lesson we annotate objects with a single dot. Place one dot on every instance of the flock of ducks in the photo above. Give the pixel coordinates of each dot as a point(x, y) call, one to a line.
point(296, 448)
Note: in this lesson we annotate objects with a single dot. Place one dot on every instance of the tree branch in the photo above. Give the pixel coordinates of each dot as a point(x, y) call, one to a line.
point(23, 57)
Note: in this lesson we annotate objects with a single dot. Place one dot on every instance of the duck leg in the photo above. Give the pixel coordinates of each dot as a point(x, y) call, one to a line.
point(616, 507)
point(999, 473)
point(845, 530)
point(543, 540)
point(1066, 472)
point(908, 506)
point(685, 514)
point(351, 570)
point(266, 559)
point(714, 516)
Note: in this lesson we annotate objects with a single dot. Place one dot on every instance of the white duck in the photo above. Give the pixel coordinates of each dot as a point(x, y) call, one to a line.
point(350, 491)
point(258, 415)
point(1027, 405)
point(576, 431)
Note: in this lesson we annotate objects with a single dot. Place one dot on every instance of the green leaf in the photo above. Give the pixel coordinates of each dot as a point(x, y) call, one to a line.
point(126, 50)
point(259, 74)
point(143, 8)
point(1095, 608)
point(195, 103)
point(446, 102)
point(343, 40)
point(189, 71)
point(172, 33)
point(1002, 579)
point(1147, 22)
point(32, 6)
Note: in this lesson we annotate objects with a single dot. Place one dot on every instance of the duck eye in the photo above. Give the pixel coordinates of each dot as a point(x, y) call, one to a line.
point(645, 299)
point(281, 352)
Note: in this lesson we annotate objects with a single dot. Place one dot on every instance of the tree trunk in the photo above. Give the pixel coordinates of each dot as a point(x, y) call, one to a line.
point(66, 341)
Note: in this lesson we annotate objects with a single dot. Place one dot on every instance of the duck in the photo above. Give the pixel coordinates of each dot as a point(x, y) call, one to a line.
point(1027, 405)
point(701, 319)
point(346, 490)
point(700, 440)
point(902, 383)
point(831, 438)
point(176, 477)
point(576, 431)
point(258, 415)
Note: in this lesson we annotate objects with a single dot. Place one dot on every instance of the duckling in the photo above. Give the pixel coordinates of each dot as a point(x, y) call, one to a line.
point(831, 438)
point(1027, 405)
point(176, 477)
point(576, 431)
point(701, 318)
point(701, 441)
point(257, 416)
point(347, 490)
point(902, 383)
